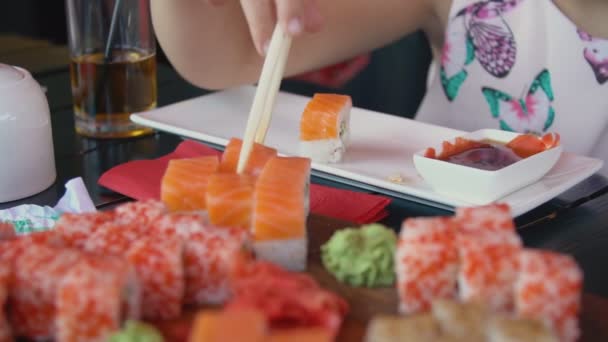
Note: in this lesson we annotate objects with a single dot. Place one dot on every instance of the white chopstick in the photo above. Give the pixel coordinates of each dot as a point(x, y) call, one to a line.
point(265, 95)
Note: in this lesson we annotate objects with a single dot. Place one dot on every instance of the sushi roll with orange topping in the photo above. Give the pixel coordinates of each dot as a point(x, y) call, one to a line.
point(37, 273)
point(258, 157)
point(549, 288)
point(325, 128)
point(426, 263)
point(281, 204)
point(184, 183)
point(94, 297)
point(159, 265)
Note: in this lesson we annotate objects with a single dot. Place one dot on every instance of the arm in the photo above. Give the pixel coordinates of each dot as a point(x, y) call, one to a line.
point(212, 47)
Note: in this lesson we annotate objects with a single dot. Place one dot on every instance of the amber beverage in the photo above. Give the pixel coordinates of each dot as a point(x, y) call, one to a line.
point(112, 66)
point(106, 93)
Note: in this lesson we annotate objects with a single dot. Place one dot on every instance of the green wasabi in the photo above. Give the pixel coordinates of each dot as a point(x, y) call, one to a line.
point(137, 332)
point(363, 256)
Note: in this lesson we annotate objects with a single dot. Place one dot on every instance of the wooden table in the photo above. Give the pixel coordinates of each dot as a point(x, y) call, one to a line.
point(575, 222)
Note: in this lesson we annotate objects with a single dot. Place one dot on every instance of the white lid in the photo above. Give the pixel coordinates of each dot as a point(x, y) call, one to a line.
point(10, 75)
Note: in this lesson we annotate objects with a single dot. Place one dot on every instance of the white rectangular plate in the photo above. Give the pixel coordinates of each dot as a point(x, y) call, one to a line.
point(381, 147)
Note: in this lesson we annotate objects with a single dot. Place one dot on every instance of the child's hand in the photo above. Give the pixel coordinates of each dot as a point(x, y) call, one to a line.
point(296, 17)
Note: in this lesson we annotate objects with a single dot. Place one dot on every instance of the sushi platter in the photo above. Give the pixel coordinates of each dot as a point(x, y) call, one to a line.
point(380, 155)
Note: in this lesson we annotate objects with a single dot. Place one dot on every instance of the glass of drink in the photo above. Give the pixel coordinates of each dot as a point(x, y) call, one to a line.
point(113, 65)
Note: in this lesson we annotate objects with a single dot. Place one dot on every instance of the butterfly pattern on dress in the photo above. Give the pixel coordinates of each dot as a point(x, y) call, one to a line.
point(596, 54)
point(531, 113)
point(480, 32)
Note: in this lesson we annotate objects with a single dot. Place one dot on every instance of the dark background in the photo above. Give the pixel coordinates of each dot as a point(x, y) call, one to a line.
point(394, 82)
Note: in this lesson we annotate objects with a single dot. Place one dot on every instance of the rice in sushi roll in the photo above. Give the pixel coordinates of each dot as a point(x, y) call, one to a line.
point(325, 128)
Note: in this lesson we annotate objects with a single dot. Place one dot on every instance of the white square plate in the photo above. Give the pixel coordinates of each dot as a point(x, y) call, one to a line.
point(382, 146)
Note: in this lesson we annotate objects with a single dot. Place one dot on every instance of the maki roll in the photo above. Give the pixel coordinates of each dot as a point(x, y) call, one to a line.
point(230, 199)
point(258, 157)
point(549, 288)
point(325, 128)
point(426, 263)
point(94, 297)
point(281, 203)
point(184, 183)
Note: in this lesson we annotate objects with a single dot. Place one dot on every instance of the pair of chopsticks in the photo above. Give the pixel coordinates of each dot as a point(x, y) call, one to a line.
point(265, 95)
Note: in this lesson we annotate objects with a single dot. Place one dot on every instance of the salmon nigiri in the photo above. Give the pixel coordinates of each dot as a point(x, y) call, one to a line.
point(258, 157)
point(325, 127)
point(184, 183)
point(230, 199)
point(281, 204)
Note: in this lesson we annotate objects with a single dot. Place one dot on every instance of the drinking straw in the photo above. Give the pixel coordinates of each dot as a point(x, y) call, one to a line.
point(106, 54)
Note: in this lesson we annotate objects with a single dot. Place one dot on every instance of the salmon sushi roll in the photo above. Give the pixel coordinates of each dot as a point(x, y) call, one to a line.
point(325, 128)
point(184, 183)
point(94, 297)
point(5, 328)
point(230, 199)
point(549, 289)
point(158, 263)
point(426, 263)
point(258, 157)
point(281, 204)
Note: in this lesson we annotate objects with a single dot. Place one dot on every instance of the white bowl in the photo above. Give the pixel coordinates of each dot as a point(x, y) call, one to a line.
point(27, 163)
point(481, 187)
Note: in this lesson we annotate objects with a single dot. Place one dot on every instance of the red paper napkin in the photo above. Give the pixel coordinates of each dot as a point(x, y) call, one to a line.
point(140, 179)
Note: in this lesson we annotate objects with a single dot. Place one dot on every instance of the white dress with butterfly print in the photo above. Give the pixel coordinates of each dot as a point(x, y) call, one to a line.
point(521, 65)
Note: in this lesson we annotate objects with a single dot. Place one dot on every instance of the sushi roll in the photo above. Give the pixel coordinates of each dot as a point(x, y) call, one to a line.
point(426, 263)
point(113, 239)
point(549, 288)
point(158, 263)
point(74, 229)
point(209, 257)
point(230, 199)
point(325, 128)
point(94, 297)
point(38, 271)
point(281, 204)
point(139, 213)
point(184, 183)
point(5, 328)
point(7, 231)
point(489, 265)
point(488, 218)
point(258, 157)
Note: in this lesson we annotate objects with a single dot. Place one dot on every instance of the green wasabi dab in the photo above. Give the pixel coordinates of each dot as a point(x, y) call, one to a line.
point(362, 256)
point(137, 332)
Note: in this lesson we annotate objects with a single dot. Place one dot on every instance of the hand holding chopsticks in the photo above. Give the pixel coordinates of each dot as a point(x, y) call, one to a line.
point(265, 96)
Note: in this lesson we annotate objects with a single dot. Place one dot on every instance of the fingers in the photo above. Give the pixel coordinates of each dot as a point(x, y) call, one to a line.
point(290, 15)
point(313, 20)
point(261, 18)
point(295, 16)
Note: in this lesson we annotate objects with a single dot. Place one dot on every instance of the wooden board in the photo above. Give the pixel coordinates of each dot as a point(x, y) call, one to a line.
point(366, 303)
